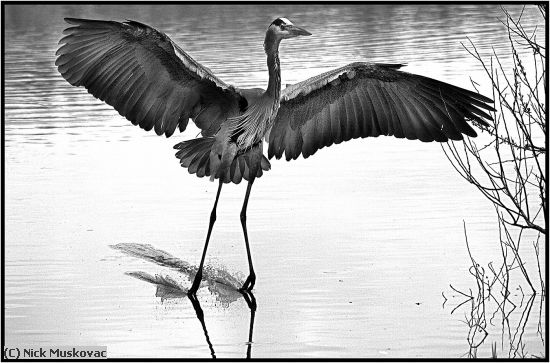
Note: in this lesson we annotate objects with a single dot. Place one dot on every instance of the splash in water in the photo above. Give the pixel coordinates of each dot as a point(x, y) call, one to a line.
point(223, 285)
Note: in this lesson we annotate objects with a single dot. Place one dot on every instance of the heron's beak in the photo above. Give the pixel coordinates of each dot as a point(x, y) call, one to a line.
point(297, 31)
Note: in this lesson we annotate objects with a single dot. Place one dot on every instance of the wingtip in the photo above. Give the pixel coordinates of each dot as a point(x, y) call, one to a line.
point(74, 21)
point(485, 99)
point(135, 23)
point(482, 123)
point(392, 65)
point(87, 23)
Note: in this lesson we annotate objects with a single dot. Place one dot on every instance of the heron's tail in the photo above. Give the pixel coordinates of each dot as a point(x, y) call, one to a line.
point(195, 155)
point(199, 158)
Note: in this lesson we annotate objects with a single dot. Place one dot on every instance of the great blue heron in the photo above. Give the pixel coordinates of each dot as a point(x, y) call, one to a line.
point(151, 81)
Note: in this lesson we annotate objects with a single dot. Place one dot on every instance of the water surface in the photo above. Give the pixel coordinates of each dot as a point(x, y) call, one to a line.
point(354, 248)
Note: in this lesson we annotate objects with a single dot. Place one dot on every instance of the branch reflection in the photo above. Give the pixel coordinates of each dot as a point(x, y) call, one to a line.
point(492, 312)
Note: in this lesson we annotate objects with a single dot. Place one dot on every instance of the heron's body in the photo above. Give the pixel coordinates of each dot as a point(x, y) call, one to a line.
point(152, 82)
point(237, 147)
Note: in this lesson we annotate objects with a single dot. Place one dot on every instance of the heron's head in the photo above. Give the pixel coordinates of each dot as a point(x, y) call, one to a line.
point(282, 28)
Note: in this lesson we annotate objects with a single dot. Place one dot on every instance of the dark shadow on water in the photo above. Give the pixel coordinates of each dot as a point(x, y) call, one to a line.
point(223, 286)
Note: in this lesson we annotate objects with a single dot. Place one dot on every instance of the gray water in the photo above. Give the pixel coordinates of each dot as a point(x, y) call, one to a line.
point(354, 248)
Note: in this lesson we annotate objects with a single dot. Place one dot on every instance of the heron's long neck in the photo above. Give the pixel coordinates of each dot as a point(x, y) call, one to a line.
point(273, 66)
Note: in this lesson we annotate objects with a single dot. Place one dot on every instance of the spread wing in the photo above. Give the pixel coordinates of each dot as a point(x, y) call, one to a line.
point(365, 99)
point(144, 75)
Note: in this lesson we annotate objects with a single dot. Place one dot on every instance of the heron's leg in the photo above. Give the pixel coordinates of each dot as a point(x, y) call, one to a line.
point(251, 280)
point(198, 276)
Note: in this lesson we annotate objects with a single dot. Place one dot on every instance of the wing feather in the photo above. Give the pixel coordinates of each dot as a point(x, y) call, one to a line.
point(427, 118)
point(325, 129)
point(366, 99)
point(348, 118)
point(293, 144)
point(439, 117)
point(336, 129)
point(367, 112)
point(144, 75)
point(380, 119)
point(407, 129)
point(308, 132)
point(357, 112)
point(425, 131)
point(137, 86)
point(392, 112)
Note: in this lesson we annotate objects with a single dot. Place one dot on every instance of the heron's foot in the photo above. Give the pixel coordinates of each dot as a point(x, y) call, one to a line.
point(196, 283)
point(250, 299)
point(249, 283)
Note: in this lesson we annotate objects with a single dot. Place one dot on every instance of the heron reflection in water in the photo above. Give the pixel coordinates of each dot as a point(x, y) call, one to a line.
point(152, 82)
point(223, 286)
point(249, 298)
